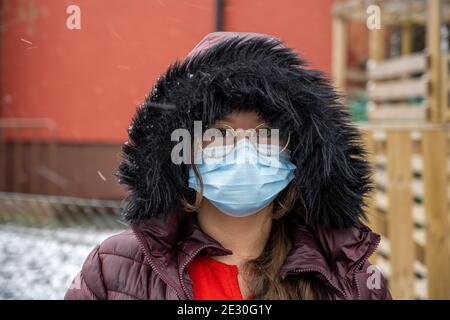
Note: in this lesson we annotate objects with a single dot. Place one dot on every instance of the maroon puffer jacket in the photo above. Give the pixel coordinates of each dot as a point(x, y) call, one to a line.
point(150, 261)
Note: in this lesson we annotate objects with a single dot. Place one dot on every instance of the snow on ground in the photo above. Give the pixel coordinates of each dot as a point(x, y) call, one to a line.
point(41, 263)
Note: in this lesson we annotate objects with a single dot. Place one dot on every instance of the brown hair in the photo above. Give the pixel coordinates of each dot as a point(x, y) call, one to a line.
point(262, 273)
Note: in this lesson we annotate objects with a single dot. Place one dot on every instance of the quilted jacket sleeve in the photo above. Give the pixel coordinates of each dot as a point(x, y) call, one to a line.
point(88, 283)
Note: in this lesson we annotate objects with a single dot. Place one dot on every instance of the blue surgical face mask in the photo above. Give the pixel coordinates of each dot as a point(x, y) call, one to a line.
point(243, 181)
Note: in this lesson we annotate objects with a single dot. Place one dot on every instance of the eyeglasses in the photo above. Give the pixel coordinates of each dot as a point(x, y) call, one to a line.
point(219, 142)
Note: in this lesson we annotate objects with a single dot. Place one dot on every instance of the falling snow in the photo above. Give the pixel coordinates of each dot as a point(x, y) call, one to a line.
point(101, 175)
point(26, 41)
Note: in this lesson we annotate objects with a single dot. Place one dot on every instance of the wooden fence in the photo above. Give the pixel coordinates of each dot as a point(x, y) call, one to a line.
point(412, 87)
point(410, 207)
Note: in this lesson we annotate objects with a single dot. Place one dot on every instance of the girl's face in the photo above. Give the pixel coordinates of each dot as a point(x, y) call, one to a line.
point(245, 165)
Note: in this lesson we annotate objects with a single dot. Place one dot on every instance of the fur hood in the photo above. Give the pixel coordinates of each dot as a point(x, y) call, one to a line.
point(229, 71)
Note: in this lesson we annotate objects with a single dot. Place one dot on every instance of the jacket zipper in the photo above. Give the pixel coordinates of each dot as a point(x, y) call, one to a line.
point(181, 270)
point(169, 283)
point(326, 277)
point(361, 263)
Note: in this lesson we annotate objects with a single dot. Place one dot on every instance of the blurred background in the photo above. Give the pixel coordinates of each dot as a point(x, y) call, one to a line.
point(73, 72)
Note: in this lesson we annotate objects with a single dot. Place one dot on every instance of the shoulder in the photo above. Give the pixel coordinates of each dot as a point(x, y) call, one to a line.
point(122, 244)
point(107, 268)
point(348, 252)
point(119, 251)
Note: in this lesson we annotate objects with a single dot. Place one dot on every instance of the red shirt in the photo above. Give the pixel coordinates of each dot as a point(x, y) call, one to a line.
point(214, 280)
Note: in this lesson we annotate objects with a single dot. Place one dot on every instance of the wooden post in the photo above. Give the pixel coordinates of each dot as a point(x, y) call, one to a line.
point(376, 46)
point(406, 38)
point(445, 87)
point(435, 177)
point(339, 61)
point(434, 52)
point(377, 41)
point(400, 223)
point(370, 201)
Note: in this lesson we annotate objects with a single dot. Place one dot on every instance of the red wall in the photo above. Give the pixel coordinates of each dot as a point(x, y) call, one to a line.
point(305, 25)
point(91, 80)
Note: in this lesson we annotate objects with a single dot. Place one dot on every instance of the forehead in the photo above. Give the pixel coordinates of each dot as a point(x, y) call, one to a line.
point(242, 119)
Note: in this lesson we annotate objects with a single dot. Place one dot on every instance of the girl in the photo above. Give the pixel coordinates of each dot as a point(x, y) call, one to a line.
point(268, 206)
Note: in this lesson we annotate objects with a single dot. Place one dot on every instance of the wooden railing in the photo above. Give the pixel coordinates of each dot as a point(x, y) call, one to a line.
point(59, 211)
point(410, 207)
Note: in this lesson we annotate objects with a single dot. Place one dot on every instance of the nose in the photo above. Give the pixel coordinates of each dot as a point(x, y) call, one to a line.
point(245, 152)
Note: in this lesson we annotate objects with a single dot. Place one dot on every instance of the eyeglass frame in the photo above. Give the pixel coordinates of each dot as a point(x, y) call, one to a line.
point(235, 133)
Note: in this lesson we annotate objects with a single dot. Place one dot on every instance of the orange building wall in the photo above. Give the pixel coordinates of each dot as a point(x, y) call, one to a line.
point(91, 80)
point(305, 25)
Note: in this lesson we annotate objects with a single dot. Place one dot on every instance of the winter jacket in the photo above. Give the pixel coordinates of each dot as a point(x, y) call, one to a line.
point(150, 261)
point(223, 73)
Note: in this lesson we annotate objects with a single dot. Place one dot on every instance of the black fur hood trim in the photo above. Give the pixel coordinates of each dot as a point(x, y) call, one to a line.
point(229, 71)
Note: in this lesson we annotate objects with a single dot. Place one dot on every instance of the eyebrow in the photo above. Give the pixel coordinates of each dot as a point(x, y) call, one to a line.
point(263, 123)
